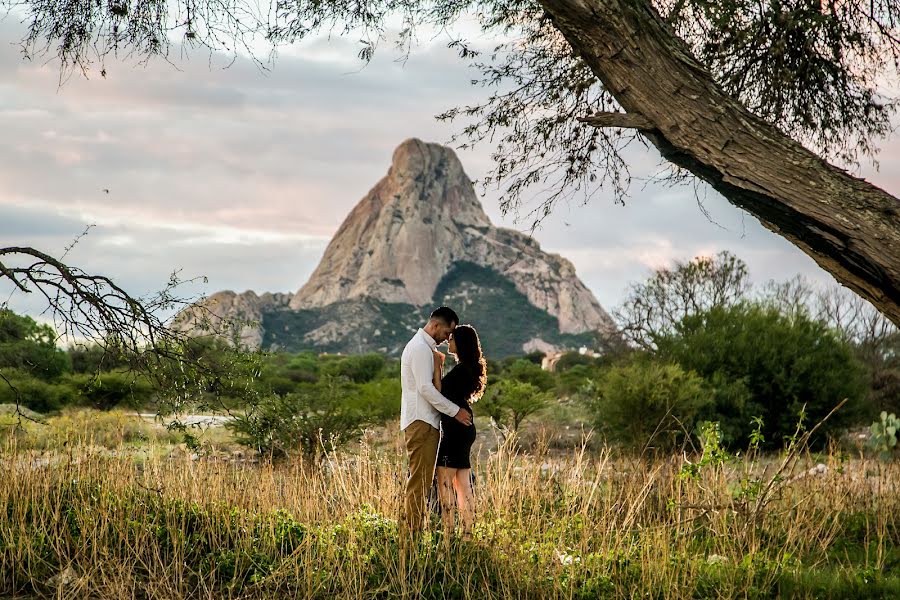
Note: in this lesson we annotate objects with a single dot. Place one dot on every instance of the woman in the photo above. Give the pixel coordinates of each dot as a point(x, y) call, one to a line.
point(463, 385)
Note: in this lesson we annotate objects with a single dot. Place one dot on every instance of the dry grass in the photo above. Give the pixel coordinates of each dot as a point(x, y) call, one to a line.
point(93, 523)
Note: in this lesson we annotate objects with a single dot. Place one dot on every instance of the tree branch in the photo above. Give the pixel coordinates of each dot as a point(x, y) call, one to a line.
point(619, 119)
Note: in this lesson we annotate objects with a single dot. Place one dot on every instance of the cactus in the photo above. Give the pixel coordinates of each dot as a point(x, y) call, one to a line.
point(884, 435)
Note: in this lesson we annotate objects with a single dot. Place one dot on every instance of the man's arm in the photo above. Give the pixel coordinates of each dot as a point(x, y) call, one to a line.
point(438, 368)
point(422, 369)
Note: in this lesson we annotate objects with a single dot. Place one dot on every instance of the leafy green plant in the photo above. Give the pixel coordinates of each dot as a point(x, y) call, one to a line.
point(509, 402)
point(649, 403)
point(884, 435)
point(782, 363)
point(301, 422)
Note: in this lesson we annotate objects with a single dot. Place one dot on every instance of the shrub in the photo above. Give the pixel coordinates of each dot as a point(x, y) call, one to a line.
point(34, 394)
point(649, 403)
point(784, 362)
point(303, 368)
point(358, 369)
point(509, 402)
point(573, 380)
point(108, 390)
point(31, 347)
point(302, 421)
point(379, 399)
point(574, 359)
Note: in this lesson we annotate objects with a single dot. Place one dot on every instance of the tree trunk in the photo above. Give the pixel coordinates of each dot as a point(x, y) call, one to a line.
point(848, 226)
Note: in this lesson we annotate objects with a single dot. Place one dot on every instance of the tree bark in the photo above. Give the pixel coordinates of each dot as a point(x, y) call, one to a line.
point(848, 226)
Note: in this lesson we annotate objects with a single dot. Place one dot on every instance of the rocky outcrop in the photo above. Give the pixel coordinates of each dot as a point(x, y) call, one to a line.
point(234, 317)
point(424, 216)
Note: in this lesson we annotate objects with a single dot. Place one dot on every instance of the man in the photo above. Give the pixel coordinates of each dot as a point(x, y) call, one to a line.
point(420, 409)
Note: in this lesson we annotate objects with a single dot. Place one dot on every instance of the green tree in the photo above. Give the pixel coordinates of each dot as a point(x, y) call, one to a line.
point(31, 347)
point(785, 364)
point(509, 402)
point(379, 399)
point(525, 371)
point(649, 404)
point(93, 357)
point(22, 388)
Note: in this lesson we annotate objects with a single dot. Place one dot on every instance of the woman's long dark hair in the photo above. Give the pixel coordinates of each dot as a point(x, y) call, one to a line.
point(468, 354)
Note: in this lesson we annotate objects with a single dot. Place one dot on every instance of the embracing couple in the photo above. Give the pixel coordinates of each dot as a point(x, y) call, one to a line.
point(437, 420)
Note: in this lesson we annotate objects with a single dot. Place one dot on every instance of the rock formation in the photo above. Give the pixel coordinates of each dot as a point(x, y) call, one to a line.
point(424, 216)
point(418, 234)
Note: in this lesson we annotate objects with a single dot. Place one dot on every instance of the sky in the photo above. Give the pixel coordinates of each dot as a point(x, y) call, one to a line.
point(242, 176)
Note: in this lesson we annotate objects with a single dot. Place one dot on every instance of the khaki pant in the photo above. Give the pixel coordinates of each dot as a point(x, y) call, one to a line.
point(421, 447)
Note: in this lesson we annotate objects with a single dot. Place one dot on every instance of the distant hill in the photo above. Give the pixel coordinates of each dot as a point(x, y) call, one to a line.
point(418, 239)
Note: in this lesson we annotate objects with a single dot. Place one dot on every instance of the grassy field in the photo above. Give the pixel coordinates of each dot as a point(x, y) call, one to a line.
point(126, 517)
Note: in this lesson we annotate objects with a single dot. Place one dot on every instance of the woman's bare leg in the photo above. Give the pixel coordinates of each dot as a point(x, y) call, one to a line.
point(465, 498)
point(445, 479)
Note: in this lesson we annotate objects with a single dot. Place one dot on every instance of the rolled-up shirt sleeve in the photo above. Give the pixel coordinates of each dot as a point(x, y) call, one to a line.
point(423, 371)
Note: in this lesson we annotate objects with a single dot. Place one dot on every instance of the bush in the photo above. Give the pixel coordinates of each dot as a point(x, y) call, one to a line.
point(783, 362)
point(34, 394)
point(302, 421)
point(570, 360)
point(509, 402)
point(649, 403)
point(358, 369)
point(303, 368)
point(108, 390)
point(379, 399)
point(575, 379)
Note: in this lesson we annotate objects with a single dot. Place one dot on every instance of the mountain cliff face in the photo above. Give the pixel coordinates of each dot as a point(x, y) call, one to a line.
point(420, 238)
point(420, 220)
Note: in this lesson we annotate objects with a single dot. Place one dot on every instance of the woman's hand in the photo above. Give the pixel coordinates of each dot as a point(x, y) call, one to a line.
point(439, 358)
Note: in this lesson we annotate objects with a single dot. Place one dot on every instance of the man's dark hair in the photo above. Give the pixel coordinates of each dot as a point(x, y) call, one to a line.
point(445, 314)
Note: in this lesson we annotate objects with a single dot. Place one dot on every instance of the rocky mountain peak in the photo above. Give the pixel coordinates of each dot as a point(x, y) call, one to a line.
point(420, 220)
point(402, 237)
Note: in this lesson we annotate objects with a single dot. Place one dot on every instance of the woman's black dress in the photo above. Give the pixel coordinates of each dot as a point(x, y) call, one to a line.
point(456, 438)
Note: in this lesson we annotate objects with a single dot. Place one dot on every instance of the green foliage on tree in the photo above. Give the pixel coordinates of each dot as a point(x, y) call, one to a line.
point(649, 404)
point(378, 399)
point(525, 371)
point(30, 347)
point(94, 358)
point(33, 393)
point(509, 402)
point(785, 363)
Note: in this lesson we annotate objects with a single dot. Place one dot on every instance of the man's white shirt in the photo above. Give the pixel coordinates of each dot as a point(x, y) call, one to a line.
point(420, 399)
